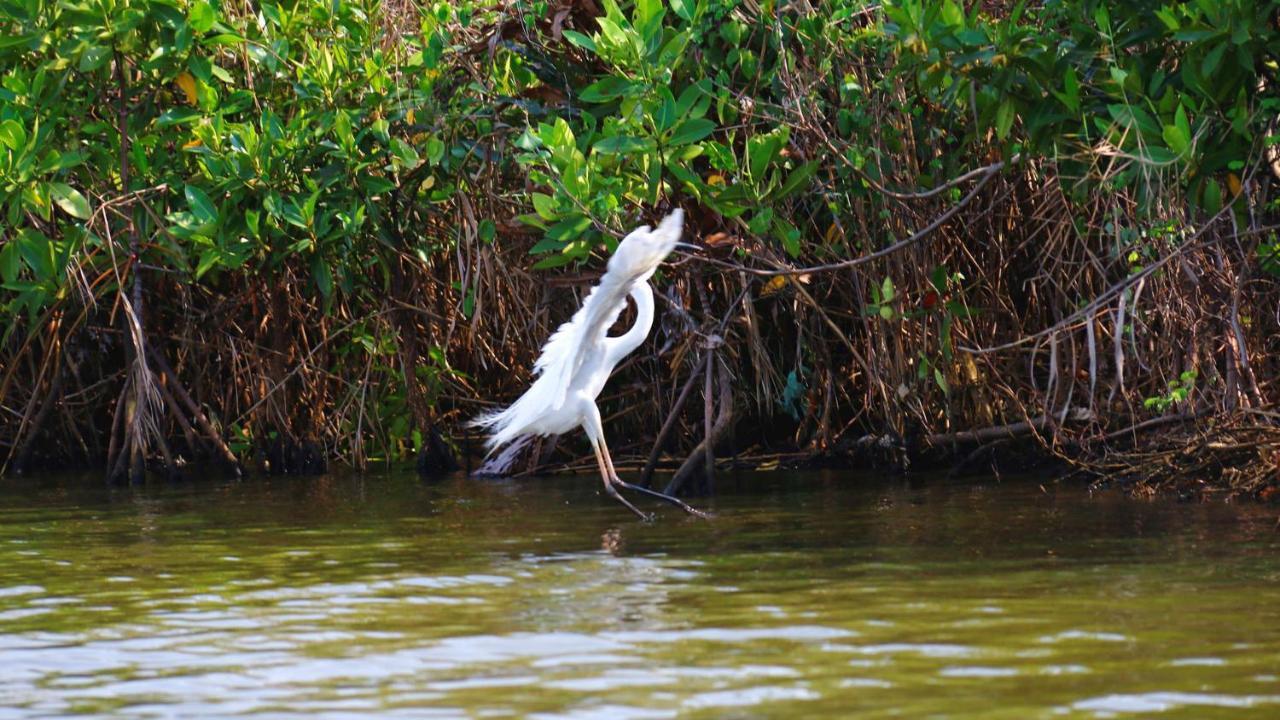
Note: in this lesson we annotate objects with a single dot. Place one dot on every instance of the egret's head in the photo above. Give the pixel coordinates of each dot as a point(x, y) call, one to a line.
point(642, 251)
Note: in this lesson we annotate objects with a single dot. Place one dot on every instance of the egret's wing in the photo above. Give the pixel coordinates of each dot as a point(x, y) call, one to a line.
point(564, 352)
point(561, 357)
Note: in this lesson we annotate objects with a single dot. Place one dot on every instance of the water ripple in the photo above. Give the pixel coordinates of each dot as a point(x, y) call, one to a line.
point(1165, 701)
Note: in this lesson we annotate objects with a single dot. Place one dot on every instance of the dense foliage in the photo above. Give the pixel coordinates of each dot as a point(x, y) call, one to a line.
point(337, 219)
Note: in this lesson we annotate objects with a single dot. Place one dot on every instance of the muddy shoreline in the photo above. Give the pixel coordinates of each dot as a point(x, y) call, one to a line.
point(1198, 463)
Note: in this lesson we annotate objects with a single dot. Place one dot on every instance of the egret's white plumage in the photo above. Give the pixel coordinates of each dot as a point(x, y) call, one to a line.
point(579, 357)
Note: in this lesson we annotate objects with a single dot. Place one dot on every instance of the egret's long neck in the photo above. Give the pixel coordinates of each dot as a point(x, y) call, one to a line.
point(631, 339)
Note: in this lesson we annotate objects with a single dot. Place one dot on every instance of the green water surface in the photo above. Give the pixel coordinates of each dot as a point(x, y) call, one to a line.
point(815, 595)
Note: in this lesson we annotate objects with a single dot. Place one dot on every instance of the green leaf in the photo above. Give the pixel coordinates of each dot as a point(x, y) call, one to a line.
point(886, 290)
point(689, 100)
point(322, 275)
point(1212, 201)
point(375, 185)
point(1176, 139)
point(764, 149)
point(10, 262)
point(691, 131)
point(1167, 17)
point(55, 161)
point(617, 37)
point(546, 245)
point(93, 58)
point(1071, 88)
point(178, 116)
point(1131, 116)
point(569, 229)
point(1004, 118)
point(70, 200)
point(1161, 155)
point(607, 88)
point(960, 310)
point(788, 235)
point(682, 9)
point(655, 178)
point(665, 117)
point(201, 206)
point(646, 10)
point(435, 150)
point(1212, 60)
point(623, 144)
point(13, 135)
point(797, 179)
point(674, 48)
point(201, 16)
point(208, 259)
point(580, 40)
point(30, 41)
point(545, 206)
point(1102, 18)
point(952, 14)
point(554, 261)
point(37, 250)
point(404, 153)
point(938, 278)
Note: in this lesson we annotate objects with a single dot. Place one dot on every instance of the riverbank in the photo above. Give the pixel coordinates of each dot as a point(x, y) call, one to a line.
point(290, 237)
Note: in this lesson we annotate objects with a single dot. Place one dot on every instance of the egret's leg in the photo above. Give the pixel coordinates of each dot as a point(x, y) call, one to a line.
point(591, 423)
point(610, 490)
point(613, 477)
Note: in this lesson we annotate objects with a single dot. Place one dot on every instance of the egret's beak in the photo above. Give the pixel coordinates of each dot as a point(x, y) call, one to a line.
point(687, 246)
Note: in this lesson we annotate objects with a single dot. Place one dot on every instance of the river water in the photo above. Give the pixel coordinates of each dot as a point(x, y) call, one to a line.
point(810, 595)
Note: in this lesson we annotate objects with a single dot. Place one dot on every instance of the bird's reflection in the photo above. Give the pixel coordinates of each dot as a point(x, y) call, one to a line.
point(613, 542)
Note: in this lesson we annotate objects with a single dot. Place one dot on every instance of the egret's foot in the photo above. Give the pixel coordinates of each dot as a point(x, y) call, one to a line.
point(663, 497)
point(613, 493)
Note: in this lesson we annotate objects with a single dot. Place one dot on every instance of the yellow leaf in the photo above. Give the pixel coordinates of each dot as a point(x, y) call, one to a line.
point(187, 84)
point(1233, 183)
point(775, 284)
point(192, 143)
point(970, 367)
point(409, 116)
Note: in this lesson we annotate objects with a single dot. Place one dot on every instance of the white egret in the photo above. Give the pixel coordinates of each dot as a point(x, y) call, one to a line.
point(578, 359)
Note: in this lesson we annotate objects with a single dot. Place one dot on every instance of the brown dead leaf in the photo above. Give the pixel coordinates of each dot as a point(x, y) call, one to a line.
point(720, 239)
point(557, 25)
point(544, 94)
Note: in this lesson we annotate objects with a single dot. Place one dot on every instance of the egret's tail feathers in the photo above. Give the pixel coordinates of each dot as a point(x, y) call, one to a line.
point(500, 465)
point(521, 417)
point(500, 427)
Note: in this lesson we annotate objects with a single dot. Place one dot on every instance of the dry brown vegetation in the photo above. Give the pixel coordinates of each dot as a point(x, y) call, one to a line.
point(952, 298)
